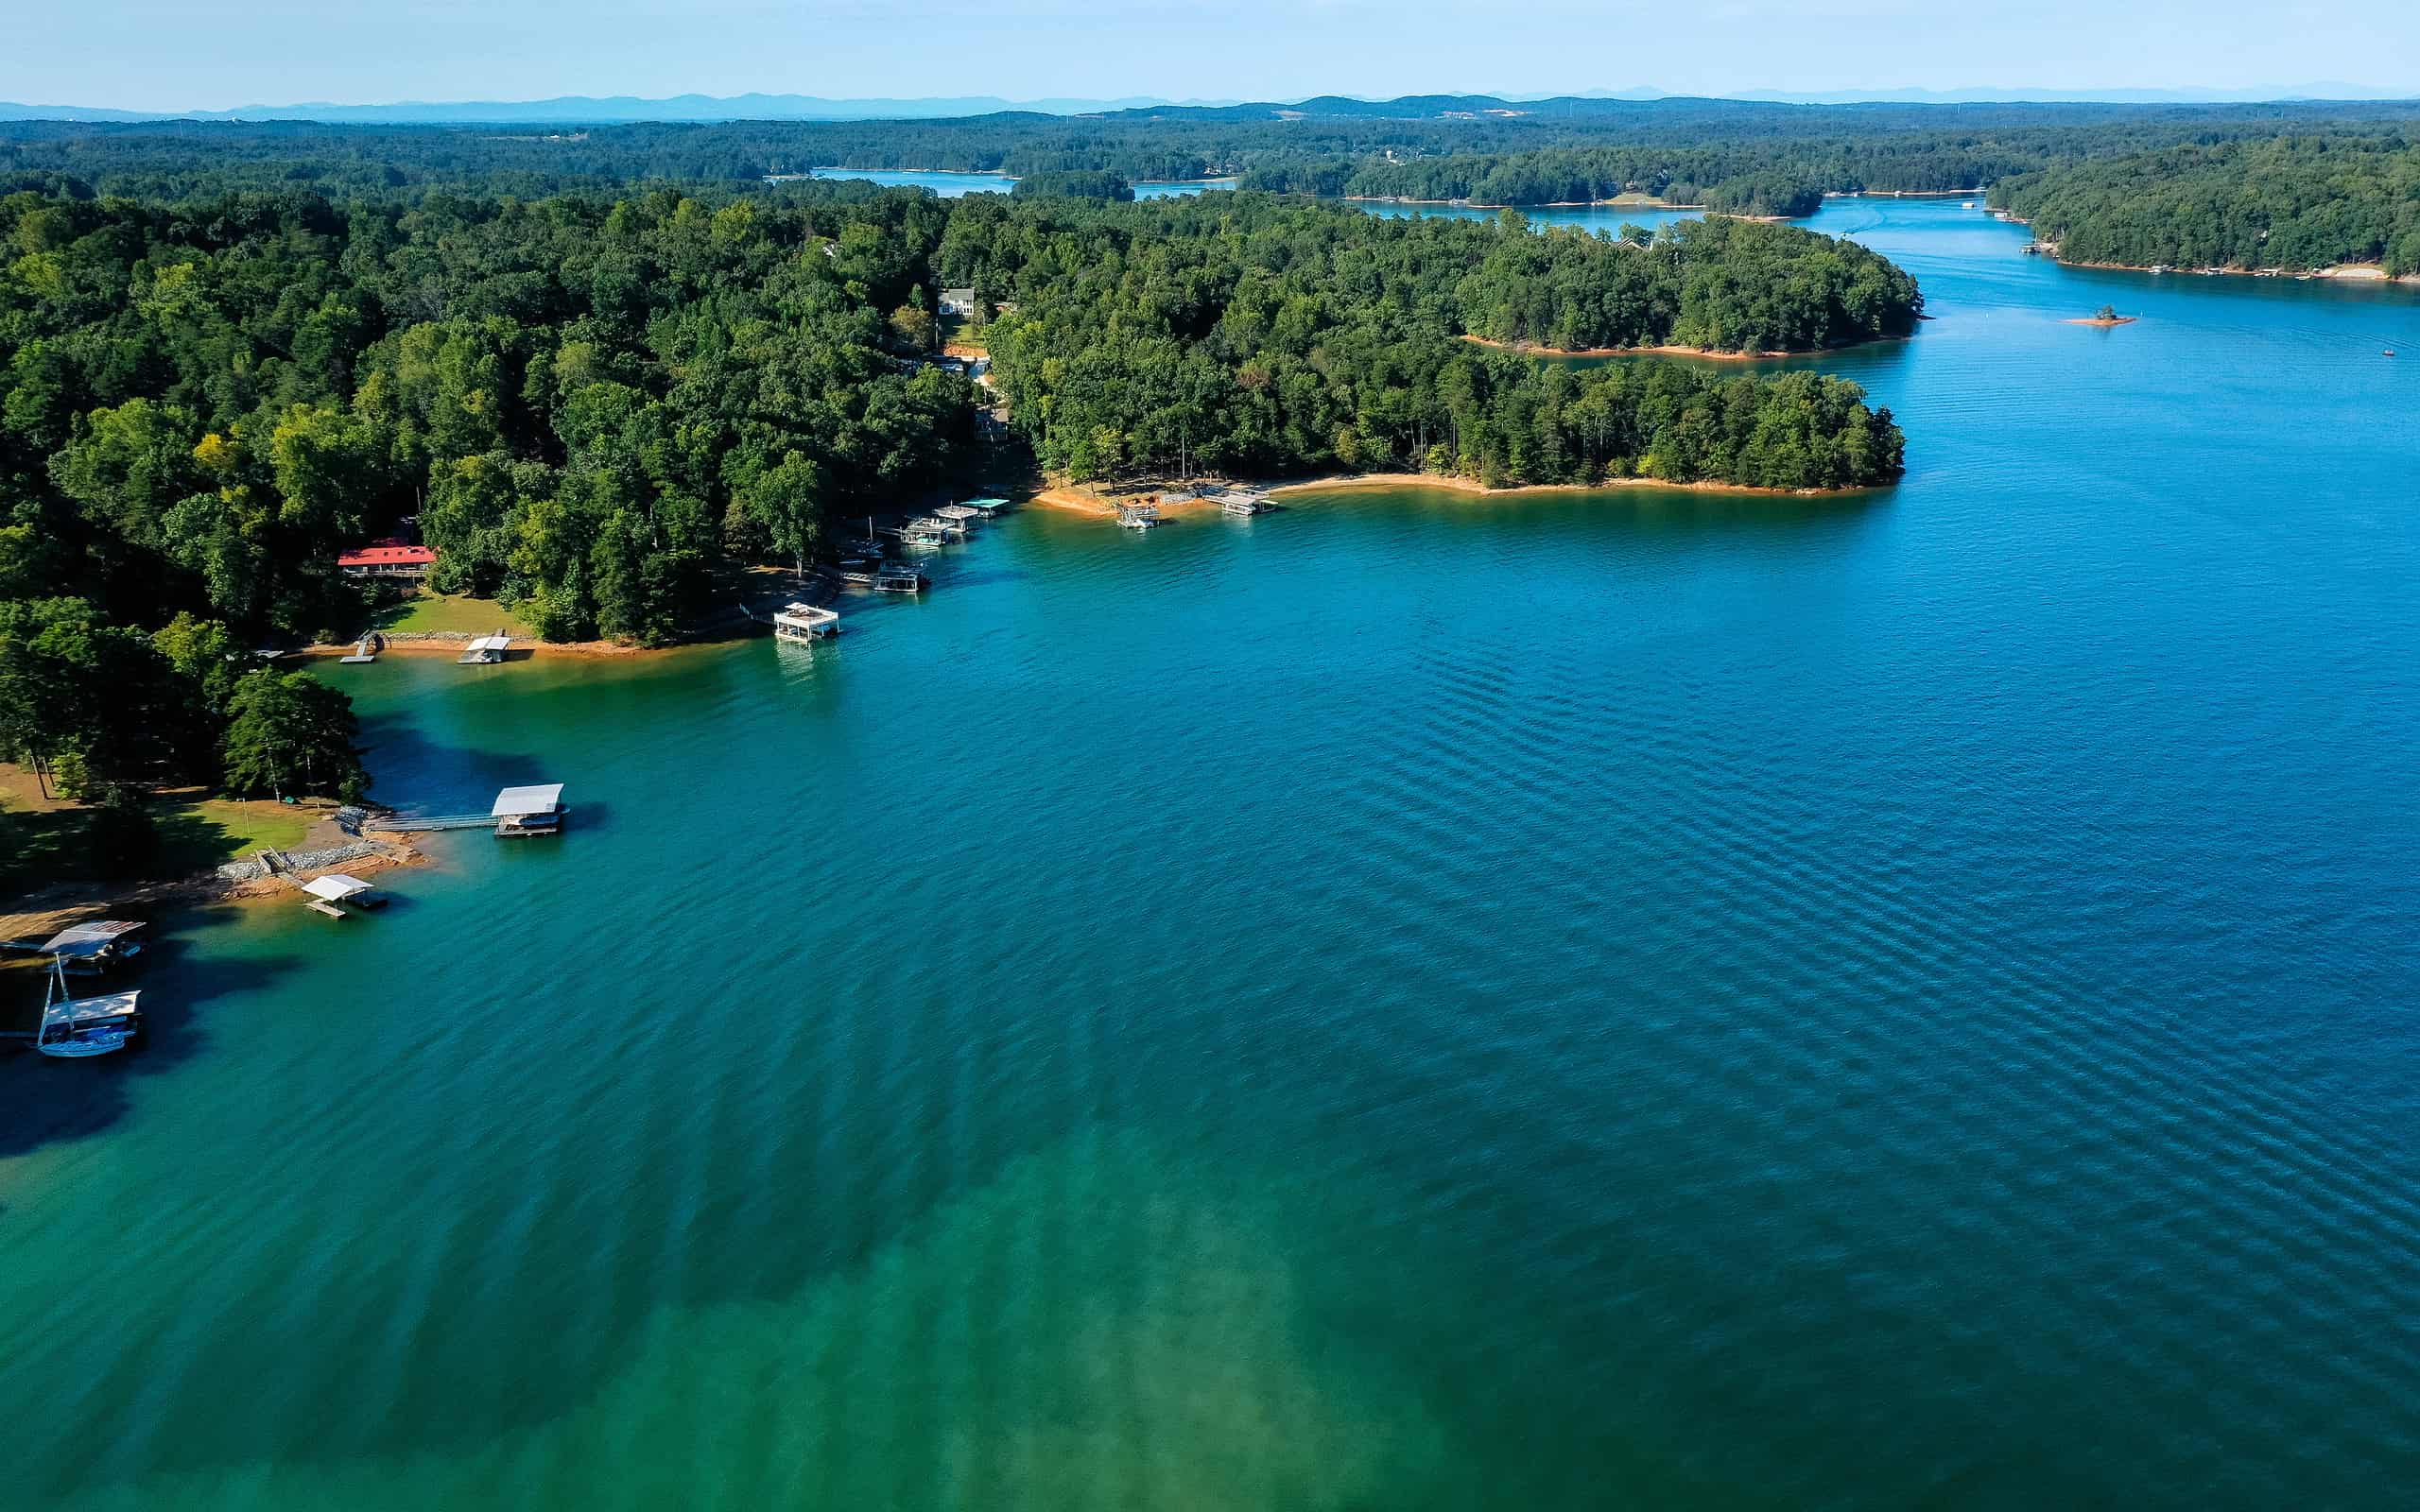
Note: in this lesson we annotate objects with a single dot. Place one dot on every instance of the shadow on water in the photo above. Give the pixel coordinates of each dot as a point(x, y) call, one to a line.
point(46, 1101)
point(418, 773)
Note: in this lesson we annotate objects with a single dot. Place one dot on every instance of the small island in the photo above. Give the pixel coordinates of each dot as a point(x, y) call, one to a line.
point(2107, 316)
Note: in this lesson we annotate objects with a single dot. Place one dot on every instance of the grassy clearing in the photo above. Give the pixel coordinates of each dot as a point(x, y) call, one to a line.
point(448, 614)
point(46, 841)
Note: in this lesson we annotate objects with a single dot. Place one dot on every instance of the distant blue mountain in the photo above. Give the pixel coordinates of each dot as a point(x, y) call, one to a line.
point(586, 109)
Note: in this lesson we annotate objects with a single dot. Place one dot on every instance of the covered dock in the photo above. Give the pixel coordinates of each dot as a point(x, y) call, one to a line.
point(522, 811)
point(93, 946)
point(804, 622)
point(485, 651)
point(323, 894)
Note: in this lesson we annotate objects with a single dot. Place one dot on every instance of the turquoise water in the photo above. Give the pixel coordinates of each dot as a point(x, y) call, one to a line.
point(1414, 1001)
point(951, 185)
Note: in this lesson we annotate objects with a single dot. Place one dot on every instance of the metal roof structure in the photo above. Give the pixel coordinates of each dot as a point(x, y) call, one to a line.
point(336, 886)
point(519, 803)
point(77, 941)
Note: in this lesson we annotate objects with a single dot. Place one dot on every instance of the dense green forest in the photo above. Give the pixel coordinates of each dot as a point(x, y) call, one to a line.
point(589, 404)
point(2291, 202)
point(1730, 155)
point(1256, 335)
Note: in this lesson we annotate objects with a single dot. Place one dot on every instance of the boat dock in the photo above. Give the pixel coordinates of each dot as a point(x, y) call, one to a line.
point(804, 622)
point(485, 651)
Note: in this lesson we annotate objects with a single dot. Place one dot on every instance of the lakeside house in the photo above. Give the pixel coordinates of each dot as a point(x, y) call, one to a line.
point(959, 302)
point(387, 558)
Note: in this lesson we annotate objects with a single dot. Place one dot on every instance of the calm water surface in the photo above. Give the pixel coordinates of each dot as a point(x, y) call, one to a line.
point(951, 185)
point(1411, 1002)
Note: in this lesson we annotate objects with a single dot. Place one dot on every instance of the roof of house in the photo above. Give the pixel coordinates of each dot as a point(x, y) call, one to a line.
point(388, 554)
point(516, 803)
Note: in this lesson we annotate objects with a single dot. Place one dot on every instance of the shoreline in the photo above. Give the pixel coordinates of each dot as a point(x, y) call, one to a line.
point(2100, 323)
point(1526, 348)
point(1550, 204)
point(2333, 273)
point(71, 903)
point(1071, 498)
point(1454, 482)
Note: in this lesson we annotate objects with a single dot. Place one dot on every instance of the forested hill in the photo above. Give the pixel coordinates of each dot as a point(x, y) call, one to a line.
point(589, 402)
point(2292, 203)
point(1728, 154)
point(1266, 335)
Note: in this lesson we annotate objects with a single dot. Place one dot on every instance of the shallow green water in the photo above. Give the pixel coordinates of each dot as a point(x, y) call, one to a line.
point(1408, 1002)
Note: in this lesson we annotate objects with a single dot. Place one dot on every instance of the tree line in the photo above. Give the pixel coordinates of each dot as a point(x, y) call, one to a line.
point(590, 404)
point(1253, 335)
point(2290, 202)
point(1748, 156)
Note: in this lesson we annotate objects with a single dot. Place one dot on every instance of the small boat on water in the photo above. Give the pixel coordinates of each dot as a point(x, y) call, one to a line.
point(74, 1028)
point(1138, 516)
point(898, 577)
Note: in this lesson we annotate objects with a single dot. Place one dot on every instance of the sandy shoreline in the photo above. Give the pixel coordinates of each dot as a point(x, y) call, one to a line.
point(450, 643)
point(1532, 350)
point(1456, 483)
point(2103, 324)
point(1075, 500)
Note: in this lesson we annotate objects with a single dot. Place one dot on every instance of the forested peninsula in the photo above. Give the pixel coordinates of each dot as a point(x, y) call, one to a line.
point(1267, 335)
point(2289, 203)
point(593, 407)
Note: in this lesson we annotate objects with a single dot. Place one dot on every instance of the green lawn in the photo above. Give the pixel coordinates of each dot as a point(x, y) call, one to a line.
point(45, 841)
point(448, 612)
point(197, 835)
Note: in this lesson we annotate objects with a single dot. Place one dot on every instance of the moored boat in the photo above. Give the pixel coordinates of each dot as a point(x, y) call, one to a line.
point(74, 1028)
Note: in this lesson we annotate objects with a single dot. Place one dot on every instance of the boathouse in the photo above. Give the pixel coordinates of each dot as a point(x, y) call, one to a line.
point(523, 812)
point(322, 894)
point(485, 651)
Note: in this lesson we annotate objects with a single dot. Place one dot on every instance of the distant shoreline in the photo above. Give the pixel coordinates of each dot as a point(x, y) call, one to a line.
point(1533, 350)
point(1454, 482)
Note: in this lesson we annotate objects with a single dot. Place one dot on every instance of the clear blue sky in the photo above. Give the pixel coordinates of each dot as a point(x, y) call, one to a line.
point(180, 53)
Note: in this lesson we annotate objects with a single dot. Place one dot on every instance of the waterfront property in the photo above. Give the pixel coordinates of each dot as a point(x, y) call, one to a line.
point(523, 812)
point(388, 558)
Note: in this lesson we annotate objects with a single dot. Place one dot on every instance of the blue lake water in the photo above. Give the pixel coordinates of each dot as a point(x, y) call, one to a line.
point(951, 185)
point(1414, 1001)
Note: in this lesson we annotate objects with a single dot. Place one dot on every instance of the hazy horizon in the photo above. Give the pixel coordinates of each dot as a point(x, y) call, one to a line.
point(149, 56)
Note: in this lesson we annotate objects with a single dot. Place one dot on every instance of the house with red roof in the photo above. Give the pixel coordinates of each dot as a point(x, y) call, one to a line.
point(387, 558)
